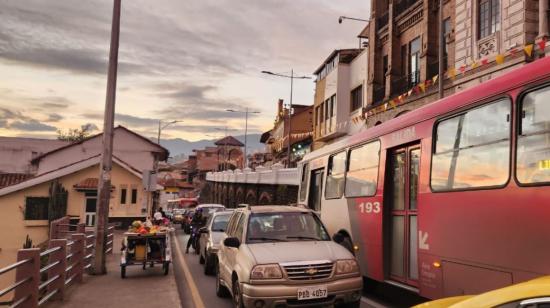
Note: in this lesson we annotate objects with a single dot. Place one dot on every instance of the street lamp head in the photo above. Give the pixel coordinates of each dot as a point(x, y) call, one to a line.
point(230, 110)
point(340, 19)
point(267, 72)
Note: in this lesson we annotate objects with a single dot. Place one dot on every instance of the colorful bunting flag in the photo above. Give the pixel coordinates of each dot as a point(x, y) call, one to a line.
point(542, 45)
point(462, 69)
point(410, 92)
point(528, 50)
point(499, 59)
point(451, 73)
point(474, 65)
point(484, 61)
point(434, 78)
point(422, 87)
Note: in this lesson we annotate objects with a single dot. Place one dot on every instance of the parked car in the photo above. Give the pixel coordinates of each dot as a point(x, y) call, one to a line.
point(283, 255)
point(210, 208)
point(210, 238)
point(178, 216)
point(533, 293)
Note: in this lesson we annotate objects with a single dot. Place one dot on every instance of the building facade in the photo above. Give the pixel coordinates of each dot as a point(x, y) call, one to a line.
point(340, 92)
point(483, 38)
point(277, 139)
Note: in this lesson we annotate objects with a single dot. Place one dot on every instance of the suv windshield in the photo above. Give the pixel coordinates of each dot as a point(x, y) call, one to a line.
point(290, 226)
point(220, 223)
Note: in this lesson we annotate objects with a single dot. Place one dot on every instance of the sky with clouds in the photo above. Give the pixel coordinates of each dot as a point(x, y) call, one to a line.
point(186, 60)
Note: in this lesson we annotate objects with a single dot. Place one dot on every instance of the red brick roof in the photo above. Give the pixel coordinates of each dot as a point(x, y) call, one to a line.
point(8, 179)
point(89, 183)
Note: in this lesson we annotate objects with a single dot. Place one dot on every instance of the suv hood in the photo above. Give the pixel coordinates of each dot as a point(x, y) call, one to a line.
point(280, 252)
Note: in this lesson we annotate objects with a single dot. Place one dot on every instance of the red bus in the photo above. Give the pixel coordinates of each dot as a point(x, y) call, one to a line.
point(448, 199)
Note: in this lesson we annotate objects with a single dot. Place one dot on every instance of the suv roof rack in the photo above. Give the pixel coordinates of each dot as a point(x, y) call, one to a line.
point(244, 205)
point(300, 205)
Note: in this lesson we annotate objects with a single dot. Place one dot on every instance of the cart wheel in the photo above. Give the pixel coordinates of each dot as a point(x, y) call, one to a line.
point(144, 265)
point(123, 271)
point(166, 267)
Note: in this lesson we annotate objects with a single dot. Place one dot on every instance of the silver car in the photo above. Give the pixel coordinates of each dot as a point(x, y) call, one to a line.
point(210, 237)
point(275, 256)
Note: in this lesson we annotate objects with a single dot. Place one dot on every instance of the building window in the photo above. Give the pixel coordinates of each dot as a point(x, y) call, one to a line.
point(332, 105)
point(335, 177)
point(472, 150)
point(36, 208)
point(362, 175)
point(489, 17)
point(357, 98)
point(414, 62)
point(321, 117)
point(447, 28)
point(328, 106)
point(123, 192)
point(533, 163)
point(134, 195)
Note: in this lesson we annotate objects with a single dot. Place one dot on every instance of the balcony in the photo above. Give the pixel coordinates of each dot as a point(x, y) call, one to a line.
point(404, 83)
point(382, 21)
point(402, 6)
point(379, 93)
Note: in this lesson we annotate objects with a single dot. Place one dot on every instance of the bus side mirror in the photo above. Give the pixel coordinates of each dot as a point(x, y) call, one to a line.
point(338, 238)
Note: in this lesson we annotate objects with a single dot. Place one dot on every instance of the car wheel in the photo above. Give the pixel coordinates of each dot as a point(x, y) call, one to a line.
point(122, 271)
point(208, 264)
point(221, 290)
point(201, 258)
point(237, 296)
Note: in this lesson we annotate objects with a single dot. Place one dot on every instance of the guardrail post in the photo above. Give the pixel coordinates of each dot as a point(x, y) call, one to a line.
point(61, 257)
point(28, 270)
point(89, 250)
point(53, 229)
point(110, 239)
point(78, 249)
point(81, 228)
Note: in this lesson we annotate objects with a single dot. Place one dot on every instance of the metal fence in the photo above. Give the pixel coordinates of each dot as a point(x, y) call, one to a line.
point(43, 276)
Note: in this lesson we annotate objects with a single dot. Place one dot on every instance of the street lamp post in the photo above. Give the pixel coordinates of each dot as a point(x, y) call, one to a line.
point(165, 126)
point(246, 112)
point(292, 77)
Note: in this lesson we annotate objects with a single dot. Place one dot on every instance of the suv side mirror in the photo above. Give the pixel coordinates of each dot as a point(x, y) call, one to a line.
point(338, 238)
point(203, 230)
point(232, 242)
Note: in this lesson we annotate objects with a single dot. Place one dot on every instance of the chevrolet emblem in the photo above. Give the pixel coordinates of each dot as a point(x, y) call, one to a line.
point(311, 271)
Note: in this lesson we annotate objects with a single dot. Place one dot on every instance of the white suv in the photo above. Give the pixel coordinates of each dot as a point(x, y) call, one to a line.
point(275, 256)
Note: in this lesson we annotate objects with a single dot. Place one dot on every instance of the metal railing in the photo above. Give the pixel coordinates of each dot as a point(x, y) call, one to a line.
point(402, 6)
point(44, 276)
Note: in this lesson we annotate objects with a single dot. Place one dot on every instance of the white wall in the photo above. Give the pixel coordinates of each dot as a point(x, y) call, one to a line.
point(17, 153)
point(358, 76)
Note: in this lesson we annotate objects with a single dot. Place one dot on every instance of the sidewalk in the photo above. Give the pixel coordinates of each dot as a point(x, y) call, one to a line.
point(141, 288)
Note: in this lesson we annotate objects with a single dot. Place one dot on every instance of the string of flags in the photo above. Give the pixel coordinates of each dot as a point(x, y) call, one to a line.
point(455, 72)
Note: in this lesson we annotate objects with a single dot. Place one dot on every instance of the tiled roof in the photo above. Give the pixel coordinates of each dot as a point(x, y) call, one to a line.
point(89, 183)
point(8, 179)
point(229, 140)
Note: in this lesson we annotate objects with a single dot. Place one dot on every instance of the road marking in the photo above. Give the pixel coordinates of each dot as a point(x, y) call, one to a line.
point(423, 238)
point(192, 286)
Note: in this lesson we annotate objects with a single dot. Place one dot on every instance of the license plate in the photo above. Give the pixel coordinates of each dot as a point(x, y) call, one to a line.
point(312, 292)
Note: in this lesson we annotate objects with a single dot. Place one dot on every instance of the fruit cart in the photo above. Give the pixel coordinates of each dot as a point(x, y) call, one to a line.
point(145, 249)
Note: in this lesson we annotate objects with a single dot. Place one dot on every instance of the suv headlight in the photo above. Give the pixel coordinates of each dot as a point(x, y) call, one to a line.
point(346, 267)
point(267, 271)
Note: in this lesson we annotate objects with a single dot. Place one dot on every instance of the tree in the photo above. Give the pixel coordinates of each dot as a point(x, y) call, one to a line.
point(76, 134)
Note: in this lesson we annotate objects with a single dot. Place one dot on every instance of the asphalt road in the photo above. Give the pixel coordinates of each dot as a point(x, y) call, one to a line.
point(199, 291)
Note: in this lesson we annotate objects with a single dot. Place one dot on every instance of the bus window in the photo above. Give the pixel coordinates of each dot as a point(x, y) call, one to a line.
point(335, 176)
point(303, 182)
point(472, 149)
point(362, 175)
point(533, 152)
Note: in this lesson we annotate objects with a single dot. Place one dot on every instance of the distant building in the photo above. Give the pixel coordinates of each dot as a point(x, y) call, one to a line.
point(277, 140)
point(230, 153)
point(340, 95)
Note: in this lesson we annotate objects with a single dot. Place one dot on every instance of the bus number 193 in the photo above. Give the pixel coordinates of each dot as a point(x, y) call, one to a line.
point(369, 207)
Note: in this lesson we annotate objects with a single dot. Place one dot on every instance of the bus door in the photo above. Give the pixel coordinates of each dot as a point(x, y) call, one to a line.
point(315, 189)
point(401, 195)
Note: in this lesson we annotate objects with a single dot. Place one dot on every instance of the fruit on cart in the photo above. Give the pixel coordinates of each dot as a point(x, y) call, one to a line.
point(136, 224)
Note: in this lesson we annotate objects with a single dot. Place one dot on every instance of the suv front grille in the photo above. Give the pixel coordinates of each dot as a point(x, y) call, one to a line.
point(309, 271)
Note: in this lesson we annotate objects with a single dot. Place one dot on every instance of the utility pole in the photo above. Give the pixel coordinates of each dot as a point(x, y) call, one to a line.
point(441, 67)
point(245, 133)
point(288, 165)
point(104, 186)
